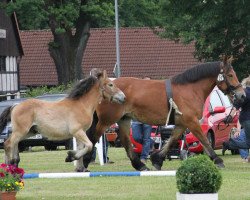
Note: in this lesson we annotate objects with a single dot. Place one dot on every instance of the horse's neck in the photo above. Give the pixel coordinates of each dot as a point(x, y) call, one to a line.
point(92, 98)
point(206, 86)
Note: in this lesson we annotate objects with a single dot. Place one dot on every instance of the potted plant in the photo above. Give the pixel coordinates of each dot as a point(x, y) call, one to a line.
point(11, 181)
point(198, 178)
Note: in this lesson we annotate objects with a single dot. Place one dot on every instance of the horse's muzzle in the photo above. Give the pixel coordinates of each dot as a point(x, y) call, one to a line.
point(119, 98)
point(240, 97)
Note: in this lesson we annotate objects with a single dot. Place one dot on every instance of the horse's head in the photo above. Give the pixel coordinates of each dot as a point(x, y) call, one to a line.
point(109, 90)
point(228, 82)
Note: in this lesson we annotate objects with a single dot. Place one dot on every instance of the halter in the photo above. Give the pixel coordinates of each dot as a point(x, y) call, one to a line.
point(230, 88)
point(104, 90)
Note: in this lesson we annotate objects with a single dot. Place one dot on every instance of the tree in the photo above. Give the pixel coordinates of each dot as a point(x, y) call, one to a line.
point(215, 26)
point(134, 13)
point(70, 23)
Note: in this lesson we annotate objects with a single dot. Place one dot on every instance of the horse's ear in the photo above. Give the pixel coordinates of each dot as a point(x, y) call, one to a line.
point(96, 73)
point(105, 76)
point(227, 60)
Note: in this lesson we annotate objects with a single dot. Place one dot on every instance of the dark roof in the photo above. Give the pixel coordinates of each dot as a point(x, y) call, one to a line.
point(11, 45)
point(142, 53)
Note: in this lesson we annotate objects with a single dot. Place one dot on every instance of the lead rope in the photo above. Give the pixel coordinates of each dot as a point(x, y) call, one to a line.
point(172, 105)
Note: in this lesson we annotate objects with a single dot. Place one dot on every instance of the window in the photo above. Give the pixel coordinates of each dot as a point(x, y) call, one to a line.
point(215, 100)
point(2, 63)
point(225, 99)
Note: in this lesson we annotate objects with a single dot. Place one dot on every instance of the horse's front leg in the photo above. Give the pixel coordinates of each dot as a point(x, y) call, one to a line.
point(124, 131)
point(79, 163)
point(11, 149)
point(93, 135)
point(158, 157)
point(195, 128)
point(84, 146)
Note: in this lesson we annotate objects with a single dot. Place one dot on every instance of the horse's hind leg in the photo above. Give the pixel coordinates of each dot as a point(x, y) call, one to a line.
point(158, 157)
point(124, 129)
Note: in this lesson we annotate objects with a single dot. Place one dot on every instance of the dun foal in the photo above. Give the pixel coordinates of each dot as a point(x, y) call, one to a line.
point(60, 120)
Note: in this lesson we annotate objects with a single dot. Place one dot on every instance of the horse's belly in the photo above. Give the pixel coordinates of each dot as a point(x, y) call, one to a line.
point(54, 132)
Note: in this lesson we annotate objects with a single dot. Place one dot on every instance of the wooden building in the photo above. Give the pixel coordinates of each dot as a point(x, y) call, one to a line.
point(10, 54)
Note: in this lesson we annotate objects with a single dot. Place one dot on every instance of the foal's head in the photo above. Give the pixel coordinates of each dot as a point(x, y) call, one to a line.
point(109, 90)
point(228, 82)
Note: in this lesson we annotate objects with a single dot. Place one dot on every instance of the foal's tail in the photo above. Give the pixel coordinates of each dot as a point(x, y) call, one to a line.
point(5, 118)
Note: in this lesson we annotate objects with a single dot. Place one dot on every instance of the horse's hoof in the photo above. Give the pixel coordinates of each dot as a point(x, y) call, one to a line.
point(220, 165)
point(156, 167)
point(144, 168)
point(219, 162)
point(71, 153)
point(157, 161)
point(82, 169)
point(68, 159)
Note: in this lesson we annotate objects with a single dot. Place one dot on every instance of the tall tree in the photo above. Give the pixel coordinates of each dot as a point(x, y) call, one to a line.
point(215, 26)
point(70, 23)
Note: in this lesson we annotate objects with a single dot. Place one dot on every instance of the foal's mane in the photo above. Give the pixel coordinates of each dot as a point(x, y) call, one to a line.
point(197, 73)
point(82, 87)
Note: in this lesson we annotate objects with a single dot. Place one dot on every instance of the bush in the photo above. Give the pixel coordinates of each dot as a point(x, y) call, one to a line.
point(198, 174)
point(33, 92)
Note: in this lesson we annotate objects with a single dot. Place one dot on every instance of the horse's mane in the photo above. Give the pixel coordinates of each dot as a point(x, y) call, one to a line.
point(197, 73)
point(82, 87)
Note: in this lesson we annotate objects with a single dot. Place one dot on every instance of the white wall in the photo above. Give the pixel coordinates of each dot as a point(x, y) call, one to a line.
point(9, 80)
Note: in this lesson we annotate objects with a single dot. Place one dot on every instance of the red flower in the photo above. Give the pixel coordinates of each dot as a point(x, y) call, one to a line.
point(2, 174)
point(3, 165)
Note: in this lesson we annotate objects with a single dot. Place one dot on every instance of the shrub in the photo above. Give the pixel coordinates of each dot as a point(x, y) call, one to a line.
point(33, 92)
point(198, 174)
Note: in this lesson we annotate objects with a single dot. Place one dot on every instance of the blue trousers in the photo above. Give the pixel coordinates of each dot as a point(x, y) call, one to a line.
point(242, 137)
point(142, 134)
point(236, 144)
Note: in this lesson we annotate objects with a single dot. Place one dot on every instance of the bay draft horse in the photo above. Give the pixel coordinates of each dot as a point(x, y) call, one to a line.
point(60, 120)
point(146, 101)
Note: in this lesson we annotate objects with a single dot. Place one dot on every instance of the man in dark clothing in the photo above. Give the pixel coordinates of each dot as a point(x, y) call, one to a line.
point(244, 120)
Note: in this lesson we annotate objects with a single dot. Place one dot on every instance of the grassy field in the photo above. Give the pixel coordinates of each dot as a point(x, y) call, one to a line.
point(236, 179)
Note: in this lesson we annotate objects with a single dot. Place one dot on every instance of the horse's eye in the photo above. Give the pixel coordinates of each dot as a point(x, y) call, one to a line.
point(110, 84)
point(230, 75)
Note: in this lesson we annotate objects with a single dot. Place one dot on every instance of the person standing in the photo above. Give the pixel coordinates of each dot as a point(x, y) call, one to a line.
point(142, 134)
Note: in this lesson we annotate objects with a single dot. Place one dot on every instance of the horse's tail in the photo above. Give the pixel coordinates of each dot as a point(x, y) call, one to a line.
point(5, 118)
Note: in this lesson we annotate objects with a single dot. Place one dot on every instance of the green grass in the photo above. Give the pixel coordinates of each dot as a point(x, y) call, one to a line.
point(236, 179)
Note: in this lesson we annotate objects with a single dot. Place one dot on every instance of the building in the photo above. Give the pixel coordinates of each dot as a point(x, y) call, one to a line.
point(10, 54)
point(142, 53)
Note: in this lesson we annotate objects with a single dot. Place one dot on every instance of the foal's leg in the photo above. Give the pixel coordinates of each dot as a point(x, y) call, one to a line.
point(79, 162)
point(158, 157)
point(124, 130)
point(11, 149)
point(82, 138)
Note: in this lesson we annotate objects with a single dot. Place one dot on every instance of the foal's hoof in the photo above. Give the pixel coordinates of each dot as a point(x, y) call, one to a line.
point(70, 156)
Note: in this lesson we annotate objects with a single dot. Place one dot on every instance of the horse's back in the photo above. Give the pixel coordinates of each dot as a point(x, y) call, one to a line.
point(145, 101)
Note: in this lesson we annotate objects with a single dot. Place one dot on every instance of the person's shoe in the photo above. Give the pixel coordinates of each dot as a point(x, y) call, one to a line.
point(225, 147)
point(110, 162)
